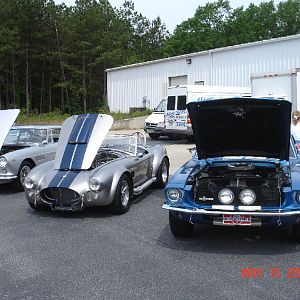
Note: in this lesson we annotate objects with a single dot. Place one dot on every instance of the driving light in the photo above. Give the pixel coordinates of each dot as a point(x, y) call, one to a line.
point(174, 194)
point(247, 197)
point(95, 185)
point(29, 183)
point(226, 196)
point(3, 162)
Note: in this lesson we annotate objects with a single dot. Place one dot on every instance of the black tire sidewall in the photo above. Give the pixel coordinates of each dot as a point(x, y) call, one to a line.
point(117, 206)
point(17, 185)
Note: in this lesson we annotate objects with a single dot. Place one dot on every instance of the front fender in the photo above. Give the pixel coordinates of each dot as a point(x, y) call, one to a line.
point(109, 175)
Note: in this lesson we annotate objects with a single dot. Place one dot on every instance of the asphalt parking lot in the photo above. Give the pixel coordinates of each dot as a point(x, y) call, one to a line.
point(96, 255)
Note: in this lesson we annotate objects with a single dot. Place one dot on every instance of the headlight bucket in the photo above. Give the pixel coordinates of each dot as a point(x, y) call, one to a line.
point(174, 194)
point(3, 162)
point(226, 196)
point(30, 183)
point(247, 197)
point(95, 185)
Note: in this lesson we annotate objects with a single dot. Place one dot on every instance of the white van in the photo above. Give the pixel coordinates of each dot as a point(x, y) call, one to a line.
point(177, 120)
point(155, 123)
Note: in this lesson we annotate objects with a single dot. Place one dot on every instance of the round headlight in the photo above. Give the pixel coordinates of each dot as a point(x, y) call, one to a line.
point(95, 185)
point(29, 183)
point(247, 197)
point(3, 162)
point(226, 196)
point(174, 194)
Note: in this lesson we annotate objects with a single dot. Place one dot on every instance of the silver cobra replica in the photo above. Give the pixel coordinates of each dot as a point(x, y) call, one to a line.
point(92, 169)
point(23, 147)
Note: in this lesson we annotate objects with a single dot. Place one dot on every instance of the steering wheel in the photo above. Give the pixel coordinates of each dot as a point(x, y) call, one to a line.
point(141, 138)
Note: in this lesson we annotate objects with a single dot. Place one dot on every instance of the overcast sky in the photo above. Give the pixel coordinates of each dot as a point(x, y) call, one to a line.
point(171, 12)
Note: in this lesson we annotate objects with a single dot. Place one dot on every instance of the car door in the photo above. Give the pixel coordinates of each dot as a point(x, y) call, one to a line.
point(142, 167)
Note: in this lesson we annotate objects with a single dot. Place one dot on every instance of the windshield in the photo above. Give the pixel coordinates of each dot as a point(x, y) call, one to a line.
point(161, 107)
point(26, 135)
point(121, 142)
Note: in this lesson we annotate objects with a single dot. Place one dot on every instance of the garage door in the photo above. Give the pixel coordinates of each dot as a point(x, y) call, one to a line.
point(177, 80)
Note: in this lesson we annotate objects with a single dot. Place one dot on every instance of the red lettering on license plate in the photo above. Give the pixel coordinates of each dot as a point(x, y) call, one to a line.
point(237, 220)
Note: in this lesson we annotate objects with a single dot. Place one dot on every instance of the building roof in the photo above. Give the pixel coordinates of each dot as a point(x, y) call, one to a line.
point(190, 55)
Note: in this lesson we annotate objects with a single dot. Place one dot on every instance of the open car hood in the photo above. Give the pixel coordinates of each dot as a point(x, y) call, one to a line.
point(7, 118)
point(241, 127)
point(80, 138)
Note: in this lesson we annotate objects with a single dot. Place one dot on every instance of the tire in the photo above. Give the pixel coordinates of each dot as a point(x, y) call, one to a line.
point(154, 136)
point(296, 232)
point(180, 228)
point(162, 175)
point(18, 183)
point(123, 196)
point(37, 206)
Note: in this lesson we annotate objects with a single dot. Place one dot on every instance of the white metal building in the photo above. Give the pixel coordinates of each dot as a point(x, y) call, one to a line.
point(127, 86)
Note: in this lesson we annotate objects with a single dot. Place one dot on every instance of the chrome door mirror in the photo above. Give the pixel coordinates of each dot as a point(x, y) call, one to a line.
point(140, 155)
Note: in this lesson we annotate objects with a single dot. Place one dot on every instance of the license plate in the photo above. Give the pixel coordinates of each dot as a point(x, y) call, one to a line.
point(63, 208)
point(150, 130)
point(237, 220)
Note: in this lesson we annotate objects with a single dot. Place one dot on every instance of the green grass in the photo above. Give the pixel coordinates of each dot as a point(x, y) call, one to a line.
point(56, 118)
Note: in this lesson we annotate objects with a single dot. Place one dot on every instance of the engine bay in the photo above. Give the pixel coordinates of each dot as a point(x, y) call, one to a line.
point(264, 181)
point(105, 156)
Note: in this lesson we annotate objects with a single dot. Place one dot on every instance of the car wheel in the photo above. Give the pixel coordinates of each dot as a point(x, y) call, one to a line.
point(123, 196)
point(296, 232)
point(25, 168)
point(179, 227)
point(162, 175)
point(154, 136)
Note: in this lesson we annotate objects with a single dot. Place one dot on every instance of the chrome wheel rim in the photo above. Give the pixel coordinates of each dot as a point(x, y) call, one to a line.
point(125, 193)
point(164, 173)
point(23, 173)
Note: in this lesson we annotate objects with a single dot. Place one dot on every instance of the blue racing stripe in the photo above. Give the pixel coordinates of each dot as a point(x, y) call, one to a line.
point(78, 157)
point(67, 157)
point(76, 128)
point(87, 129)
point(77, 144)
point(67, 181)
point(57, 178)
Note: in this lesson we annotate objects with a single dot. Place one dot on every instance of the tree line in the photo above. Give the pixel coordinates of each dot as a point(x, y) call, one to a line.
point(54, 57)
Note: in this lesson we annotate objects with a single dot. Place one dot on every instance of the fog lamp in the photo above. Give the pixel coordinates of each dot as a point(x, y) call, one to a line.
point(226, 196)
point(247, 197)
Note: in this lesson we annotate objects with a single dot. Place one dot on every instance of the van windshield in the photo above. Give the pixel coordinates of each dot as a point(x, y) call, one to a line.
point(161, 107)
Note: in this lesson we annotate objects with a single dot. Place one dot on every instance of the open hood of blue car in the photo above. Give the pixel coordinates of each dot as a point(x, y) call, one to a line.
point(241, 127)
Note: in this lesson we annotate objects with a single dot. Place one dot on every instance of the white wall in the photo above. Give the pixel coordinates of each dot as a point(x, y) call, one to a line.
point(126, 86)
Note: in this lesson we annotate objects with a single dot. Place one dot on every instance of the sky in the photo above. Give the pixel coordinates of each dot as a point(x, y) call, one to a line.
point(171, 12)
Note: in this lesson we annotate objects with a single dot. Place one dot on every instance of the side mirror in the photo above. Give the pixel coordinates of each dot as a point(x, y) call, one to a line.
point(140, 155)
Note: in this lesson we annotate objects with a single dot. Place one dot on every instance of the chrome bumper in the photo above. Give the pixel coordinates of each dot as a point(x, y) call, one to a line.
point(7, 177)
point(197, 211)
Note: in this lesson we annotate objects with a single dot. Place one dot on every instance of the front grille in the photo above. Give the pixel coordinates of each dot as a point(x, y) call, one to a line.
point(151, 125)
point(267, 193)
point(61, 196)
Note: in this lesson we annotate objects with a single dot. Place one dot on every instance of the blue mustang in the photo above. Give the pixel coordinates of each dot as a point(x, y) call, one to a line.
point(245, 171)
